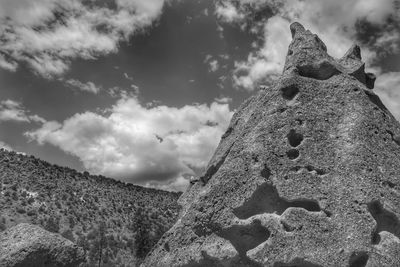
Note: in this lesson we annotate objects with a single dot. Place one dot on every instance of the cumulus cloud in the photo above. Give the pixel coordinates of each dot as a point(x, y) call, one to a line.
point(136, 143)
point(228, 12)
point(5, 146)
point(11, 110)
point(47, 34)
point(213, 64)
point(87, 87)
point(387, 86)
point(334, 21)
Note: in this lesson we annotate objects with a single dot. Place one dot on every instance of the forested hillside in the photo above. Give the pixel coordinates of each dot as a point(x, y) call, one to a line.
point(116, 223)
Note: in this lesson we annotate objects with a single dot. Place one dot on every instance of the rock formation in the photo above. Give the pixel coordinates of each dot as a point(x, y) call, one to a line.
point(26, 245)
point(307, 174)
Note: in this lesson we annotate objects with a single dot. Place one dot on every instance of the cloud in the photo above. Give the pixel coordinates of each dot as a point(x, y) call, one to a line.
point(126, 75)
point(47, 34)
point(140, 144)
point(5, 146)
point(387, 86)
point(269, 60)
point(11, 110)
point(87, 87)
point(213, 65)
point(223, 100)
point(335, 22)
point(227, 12)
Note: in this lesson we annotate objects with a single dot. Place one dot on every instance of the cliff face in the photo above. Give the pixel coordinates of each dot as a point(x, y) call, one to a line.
point(307, 174)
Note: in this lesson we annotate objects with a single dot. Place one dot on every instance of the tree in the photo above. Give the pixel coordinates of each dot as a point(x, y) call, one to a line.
point(98, 243)
point(102, 239)
point(143, 242)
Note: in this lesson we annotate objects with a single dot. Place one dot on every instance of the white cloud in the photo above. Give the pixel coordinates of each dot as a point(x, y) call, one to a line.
point(11, 110)
point(387, 86)
point(223, 100)
point(48, 34)
point(213, 65)
point(5, 146)
point(87, 87)
point(136, 143)
point(228, 12)
point(126, 75)
point(334, 21)
point(269, 60)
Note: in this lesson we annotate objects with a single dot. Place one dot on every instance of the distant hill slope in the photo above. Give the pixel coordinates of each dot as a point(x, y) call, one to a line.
point(116, 223)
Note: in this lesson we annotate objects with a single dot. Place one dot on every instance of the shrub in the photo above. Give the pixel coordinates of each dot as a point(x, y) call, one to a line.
point(20, 210)
point(52, 225)
point(2, 224)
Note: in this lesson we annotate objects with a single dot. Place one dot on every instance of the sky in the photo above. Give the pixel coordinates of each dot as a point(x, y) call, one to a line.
point(141, 91)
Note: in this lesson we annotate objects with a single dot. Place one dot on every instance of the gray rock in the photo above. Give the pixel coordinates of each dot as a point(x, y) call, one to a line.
point(26, 245)
point(307, 174)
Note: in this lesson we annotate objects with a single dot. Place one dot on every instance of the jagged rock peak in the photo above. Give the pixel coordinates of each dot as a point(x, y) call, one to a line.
point(354, 52)
point(307, 174)
point(308, 57)
point(26, 245)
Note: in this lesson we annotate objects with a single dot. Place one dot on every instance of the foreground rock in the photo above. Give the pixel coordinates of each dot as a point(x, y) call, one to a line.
point(29, 245)
point(307, 174)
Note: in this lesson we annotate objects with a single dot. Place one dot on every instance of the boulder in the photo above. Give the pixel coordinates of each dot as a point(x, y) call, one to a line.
point(26, 245)
point(307, 174)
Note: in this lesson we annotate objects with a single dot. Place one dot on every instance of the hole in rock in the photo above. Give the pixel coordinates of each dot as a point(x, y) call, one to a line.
point(266, 172)
point(385, 220)
point(388, 183)
point(287, 227)
point(294, 138)
point(290, 92)
point(376, 100)
point(166, 247)
point(293, 154)
point(318, 171)
point(358, 259)
point(266, 199)
point(321, 71)
point(297, 262)
point(246, 237)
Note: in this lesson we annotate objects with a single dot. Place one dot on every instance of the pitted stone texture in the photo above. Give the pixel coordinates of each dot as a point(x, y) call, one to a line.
point(26, 245)
point(312, 165)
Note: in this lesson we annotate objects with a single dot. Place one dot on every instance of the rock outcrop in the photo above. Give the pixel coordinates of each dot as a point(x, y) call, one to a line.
point(26, 245)
point(307, 174)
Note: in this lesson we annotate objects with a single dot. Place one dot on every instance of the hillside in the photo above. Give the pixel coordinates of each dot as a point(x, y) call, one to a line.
point(116, 223)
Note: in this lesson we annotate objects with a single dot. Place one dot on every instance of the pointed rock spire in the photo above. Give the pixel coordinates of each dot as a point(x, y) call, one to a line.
point(354, 52)
point(296, 28)
point(307, 174)
point(308, 57)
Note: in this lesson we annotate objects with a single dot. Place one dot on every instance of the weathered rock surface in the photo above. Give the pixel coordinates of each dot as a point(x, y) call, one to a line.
point(307, 174)
point(26, 245)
